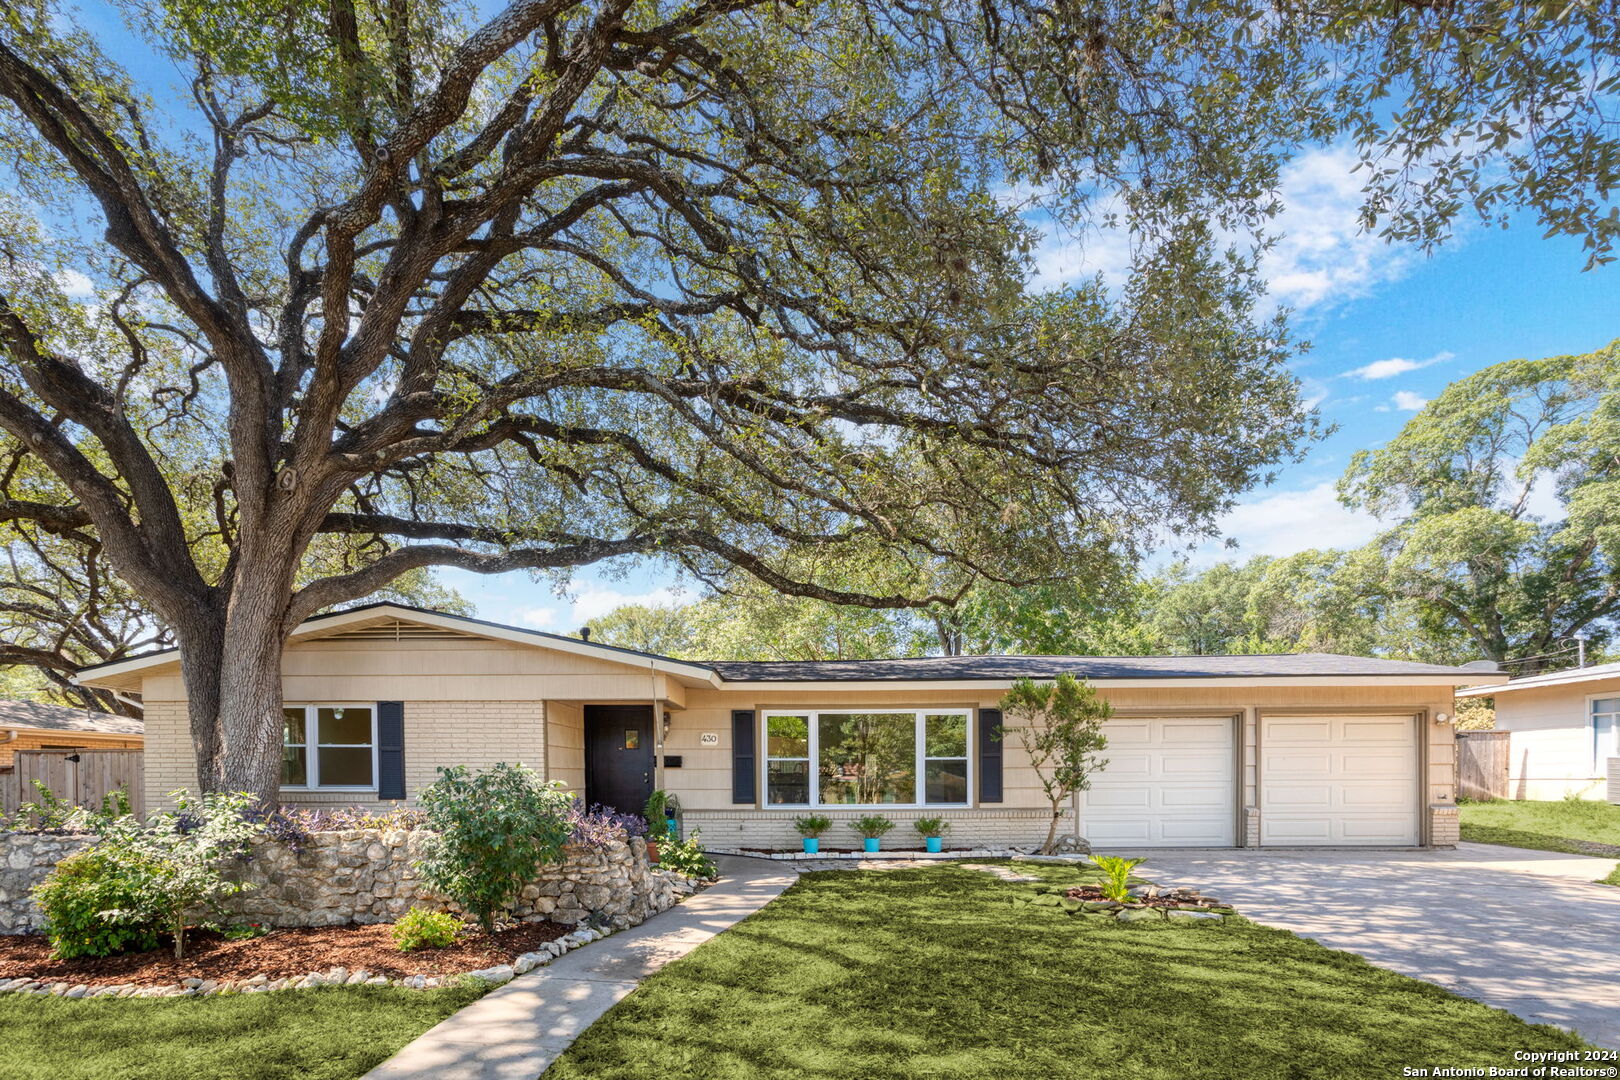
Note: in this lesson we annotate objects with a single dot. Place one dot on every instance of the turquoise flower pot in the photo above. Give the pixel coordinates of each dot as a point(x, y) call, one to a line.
point(812, 844)
point(934, 843)
point(871, 843)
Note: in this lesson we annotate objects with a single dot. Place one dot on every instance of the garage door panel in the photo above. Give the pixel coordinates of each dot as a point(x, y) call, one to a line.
point(1299, 732)
point(1207, 733)
point(1396, 761)
point(1168, 782)
point(1339, 780)
point(1286, 763)
point(1392, 730)
point(1120, 797)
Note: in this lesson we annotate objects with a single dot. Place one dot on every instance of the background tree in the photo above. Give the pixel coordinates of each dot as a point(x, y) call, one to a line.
point(1059, 724)
point(718, 284)
point(1505, 489)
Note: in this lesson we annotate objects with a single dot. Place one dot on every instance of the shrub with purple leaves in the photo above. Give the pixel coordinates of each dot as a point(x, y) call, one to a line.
point(597, 824)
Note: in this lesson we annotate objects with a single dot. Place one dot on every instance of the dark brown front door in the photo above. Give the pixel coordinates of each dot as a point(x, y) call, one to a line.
point(619, 756)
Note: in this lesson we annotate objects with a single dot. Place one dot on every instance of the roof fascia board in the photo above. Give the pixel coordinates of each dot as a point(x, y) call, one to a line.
point(868, 685)
point(322, 626)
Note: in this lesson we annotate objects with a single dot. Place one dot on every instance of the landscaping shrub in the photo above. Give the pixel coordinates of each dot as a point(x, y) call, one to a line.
point(420, 928)
point(871, 826)
point(598, 824)
point(812, 825)
point(686, 857)
point(495, 829)
point(93, 907)
point(931, 826)
point(1117, 882)
point(146, 875)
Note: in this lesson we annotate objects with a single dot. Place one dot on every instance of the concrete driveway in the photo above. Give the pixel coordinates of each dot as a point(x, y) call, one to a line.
point(1526, 931)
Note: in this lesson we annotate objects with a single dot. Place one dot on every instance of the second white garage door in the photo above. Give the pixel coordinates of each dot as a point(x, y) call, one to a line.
point(1169, 782)
point(1338, 780)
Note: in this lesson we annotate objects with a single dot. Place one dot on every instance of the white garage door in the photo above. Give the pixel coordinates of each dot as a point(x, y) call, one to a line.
point(1169, 783)
point(1338, 780)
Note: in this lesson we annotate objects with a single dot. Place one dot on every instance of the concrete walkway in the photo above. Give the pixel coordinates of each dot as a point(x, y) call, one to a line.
point(1526, 931)
point(515, 1032)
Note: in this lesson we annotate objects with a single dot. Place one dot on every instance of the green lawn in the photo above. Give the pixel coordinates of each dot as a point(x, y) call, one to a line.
point(934, 973)
point(332, 1033)
point(1580, 827)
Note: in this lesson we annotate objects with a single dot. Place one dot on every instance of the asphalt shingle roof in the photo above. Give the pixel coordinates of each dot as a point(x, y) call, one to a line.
point(34, 714)
point(945, 668)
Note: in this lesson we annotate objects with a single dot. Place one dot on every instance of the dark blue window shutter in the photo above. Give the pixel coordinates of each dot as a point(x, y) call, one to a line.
point(989, 755)
point(390, 749)
point(744, 758)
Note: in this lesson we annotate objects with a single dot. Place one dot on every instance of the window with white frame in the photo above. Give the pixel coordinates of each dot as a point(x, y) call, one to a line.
point(843, 757)
point(1605, 732)
point(329, 746)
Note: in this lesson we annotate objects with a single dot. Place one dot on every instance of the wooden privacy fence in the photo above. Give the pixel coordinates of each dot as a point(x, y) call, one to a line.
point(82, 777)
point(1483, 759)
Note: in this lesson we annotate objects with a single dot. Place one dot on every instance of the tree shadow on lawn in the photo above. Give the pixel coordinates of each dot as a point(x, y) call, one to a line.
point(934, 972)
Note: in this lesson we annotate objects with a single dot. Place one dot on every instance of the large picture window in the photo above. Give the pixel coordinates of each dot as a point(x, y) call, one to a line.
point(847, 757)
point(329, 746)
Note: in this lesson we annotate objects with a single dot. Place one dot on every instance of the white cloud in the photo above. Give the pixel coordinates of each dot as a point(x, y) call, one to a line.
point(1322, 256)
point(1395, 365)
point(74, 285)
point(1285, 522)
point(1406, 401)
point(591, 603)
point(541, 618)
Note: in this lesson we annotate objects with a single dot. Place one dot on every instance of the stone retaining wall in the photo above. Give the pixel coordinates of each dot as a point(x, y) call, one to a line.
point(368, 876)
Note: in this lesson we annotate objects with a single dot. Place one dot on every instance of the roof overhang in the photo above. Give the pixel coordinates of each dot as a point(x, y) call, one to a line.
point(115, 675)
point(845, 685)
point(1573, 677)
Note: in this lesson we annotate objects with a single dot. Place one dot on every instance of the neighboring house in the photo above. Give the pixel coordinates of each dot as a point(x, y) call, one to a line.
point(31, 725)
point(1215, 751)
point(1566, 738)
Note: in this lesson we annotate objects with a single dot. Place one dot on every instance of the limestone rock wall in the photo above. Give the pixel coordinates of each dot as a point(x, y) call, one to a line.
point(369, 876)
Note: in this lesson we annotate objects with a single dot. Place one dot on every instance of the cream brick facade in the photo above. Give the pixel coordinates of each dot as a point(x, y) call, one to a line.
point(479, 700)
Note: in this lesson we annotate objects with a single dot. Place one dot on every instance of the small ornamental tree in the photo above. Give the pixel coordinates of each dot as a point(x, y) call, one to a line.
point(1060, 726)
point(495, 829)
point(143, 878)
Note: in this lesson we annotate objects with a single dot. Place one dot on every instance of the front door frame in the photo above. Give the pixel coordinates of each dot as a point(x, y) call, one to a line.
point(598, 721)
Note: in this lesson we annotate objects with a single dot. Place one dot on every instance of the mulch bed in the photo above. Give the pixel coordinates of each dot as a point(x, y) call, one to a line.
point(279, 954)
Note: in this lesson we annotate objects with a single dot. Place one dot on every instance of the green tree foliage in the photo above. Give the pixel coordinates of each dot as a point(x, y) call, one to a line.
point(493, 830)
point(1059, 725)
point(1506, 493)
point(726, 285)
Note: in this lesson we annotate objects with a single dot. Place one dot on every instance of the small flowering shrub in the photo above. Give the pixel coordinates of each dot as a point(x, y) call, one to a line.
point(598, 824)
point(420, 928)
point(495, 829)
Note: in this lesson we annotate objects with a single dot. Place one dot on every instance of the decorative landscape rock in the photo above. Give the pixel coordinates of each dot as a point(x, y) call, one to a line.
point(369, 876)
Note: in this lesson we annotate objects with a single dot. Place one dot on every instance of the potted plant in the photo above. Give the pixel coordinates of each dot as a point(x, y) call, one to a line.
point(654, 812)
point(811, 826)
point(871, 828)
point(932, 830)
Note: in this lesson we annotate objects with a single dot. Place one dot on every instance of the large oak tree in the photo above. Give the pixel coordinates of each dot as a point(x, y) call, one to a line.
point(733, 284)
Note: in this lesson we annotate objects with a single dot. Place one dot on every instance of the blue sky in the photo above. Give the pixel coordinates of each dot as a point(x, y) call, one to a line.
point(1389, 329)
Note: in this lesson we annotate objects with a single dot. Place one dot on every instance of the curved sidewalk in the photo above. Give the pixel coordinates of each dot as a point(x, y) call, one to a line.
point(518, 1030)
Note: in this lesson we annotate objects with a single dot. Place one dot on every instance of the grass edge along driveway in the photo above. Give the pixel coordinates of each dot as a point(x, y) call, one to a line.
point(935, 973)
point(328, 1033)
point(1573, 826)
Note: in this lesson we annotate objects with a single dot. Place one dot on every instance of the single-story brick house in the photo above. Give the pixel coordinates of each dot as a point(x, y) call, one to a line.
point(1216, 751)
point(1565, 732)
